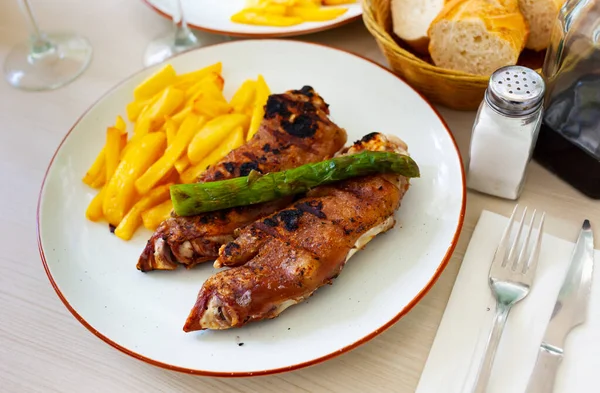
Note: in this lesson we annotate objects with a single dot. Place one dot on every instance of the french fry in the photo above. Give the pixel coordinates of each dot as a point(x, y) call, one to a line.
point(233, 141)
point(120, 190)
point(271, 9)
point(258, 111)
point(143, 123)
point(287, 3)
point(157, 214)
point(338, 2)
point(193, 90)
point(213, 133)
point(179, 116)
point(288, 12)
point(143, 120)
point(164, 164)
point(211, 78)
point(96, 169)
point(134, 108)
point(218, 81)
point(243, 99)
point(133, 218)
point(186, 80)
point(170, 99)
point(129, 145)
point(96, 176)
point(316, 14)
point(210, 107)
point(94, 209)
point(171, 177)
point(191, 174)
point(182, 164)
point(253, 17)
point(112, 150)
point(209, 87)
point(100, 180)
point(170, 130)
point(121, 125)
point(306, 3)
point(155, 83)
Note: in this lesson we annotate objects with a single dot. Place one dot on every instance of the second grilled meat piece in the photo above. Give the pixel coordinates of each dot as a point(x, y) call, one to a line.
point(282, 259)
point(295, 130)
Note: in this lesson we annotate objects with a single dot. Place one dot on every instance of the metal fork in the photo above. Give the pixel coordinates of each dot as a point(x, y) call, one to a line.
point(510, 280)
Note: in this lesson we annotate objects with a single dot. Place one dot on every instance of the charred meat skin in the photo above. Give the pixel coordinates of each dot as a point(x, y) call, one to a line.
point(280, 260)
point(295, 130)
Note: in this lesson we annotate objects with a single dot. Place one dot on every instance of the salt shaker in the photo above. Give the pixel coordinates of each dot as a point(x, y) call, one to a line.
point(505, 132)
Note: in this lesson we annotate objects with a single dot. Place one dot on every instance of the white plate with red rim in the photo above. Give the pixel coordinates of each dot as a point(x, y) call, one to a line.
point(142, 314)
point(214, 16)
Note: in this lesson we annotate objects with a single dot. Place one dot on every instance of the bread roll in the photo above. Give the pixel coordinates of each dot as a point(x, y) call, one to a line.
point(411, 20)
point(540, 15)
point(477, 36)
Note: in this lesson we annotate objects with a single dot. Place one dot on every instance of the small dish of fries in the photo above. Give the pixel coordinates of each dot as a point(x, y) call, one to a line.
point(289, 12)
point(263, 18)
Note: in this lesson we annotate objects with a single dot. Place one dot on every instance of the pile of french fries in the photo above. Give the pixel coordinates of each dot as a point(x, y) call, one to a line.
point(181, 125)
point(288, 12)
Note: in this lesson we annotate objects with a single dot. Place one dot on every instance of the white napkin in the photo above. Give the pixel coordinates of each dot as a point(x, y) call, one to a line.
point(462, 334)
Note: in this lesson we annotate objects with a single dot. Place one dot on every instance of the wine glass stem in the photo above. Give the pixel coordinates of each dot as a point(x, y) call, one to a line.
point(183, 34)
point(179, 18)
point(40, 46)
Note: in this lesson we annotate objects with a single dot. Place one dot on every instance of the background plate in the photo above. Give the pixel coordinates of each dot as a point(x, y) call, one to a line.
point(142, 314)
point(214, 16)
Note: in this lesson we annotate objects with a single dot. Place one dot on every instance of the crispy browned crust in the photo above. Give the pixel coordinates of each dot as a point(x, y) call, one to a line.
point(282, 259)
point(295, 130)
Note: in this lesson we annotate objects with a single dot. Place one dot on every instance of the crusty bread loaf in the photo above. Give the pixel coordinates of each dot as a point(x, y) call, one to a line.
point(411, 20)
point(477, 36)
point(540, 15)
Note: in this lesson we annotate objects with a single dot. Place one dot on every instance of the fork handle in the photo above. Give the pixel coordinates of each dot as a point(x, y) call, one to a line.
point(485, 368)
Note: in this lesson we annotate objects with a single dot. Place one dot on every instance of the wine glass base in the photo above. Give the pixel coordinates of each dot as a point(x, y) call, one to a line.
point(70, 56)
point(163, 47)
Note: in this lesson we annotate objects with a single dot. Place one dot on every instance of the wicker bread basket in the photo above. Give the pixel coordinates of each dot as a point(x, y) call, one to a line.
point(453, 89)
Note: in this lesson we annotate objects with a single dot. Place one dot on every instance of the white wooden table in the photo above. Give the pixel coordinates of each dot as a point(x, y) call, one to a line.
point(44, 349)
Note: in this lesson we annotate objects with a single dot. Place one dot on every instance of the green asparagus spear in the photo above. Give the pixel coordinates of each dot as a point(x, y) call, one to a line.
point(195, 198)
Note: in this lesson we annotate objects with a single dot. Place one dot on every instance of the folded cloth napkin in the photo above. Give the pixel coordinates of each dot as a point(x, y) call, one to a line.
point(461, 337)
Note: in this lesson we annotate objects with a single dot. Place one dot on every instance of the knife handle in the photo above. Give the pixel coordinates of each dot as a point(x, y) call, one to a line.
point(544, 371)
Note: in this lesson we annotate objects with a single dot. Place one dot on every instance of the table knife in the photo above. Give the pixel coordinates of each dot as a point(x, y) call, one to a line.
point(570, 310)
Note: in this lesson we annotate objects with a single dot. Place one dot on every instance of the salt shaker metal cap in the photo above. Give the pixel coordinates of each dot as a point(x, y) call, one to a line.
point(505, 132)
point(515, 91)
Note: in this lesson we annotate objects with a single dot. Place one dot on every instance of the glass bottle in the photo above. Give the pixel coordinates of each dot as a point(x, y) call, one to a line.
point(569, 140)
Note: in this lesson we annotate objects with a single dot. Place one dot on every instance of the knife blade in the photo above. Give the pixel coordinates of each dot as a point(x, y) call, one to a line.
point(570, 310)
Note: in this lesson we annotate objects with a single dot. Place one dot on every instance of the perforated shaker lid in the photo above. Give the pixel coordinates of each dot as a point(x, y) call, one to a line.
point(515, 90)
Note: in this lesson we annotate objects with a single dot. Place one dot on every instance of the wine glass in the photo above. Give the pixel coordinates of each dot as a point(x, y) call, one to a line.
point(179, 39)
point(46, 61)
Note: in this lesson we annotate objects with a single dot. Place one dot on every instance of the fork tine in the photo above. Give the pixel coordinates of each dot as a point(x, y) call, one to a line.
point(512, 256)
point(533, 258)
point(501, 250)
point(521, 265)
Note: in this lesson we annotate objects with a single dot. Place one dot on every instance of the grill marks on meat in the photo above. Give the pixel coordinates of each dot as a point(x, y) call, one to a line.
point(309, 141)
point(296, 130)
point(280, 260)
